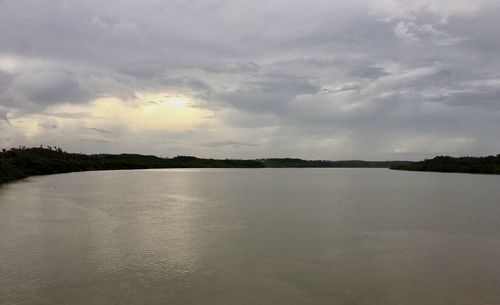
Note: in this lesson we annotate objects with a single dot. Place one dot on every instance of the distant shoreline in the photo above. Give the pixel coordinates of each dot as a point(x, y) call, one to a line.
point(22, 162)
point(489, 165)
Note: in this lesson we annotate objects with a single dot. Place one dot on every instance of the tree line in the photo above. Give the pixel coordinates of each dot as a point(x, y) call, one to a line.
point(473, 165)
point(22, 162)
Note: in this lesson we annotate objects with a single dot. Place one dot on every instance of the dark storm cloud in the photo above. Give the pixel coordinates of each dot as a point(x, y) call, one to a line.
point(393, 75)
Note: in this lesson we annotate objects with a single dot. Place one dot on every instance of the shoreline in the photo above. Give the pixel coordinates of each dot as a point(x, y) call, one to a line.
point(20, 163)
point(131, 169)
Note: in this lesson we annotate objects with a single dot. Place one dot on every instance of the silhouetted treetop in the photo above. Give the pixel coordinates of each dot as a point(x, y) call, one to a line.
point(21, 162)
point(473, 165)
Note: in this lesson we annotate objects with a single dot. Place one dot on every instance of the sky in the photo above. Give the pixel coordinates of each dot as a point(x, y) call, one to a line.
point(316, 79)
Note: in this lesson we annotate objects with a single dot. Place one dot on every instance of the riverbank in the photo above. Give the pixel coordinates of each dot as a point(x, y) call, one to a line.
point(19, 163)
point(471, 165)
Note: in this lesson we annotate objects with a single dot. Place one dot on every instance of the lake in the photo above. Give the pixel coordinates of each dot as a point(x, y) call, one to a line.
point(251, 236)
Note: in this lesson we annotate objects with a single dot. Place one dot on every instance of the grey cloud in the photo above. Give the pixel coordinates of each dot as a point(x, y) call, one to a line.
point(72, 115)
point(48, 124)
point(41, 84)
point(412, 32)
point(5, 80)
point(343, 87)
point(145, 68)
point(3, 115)
point(441, 9)
point(269, 95)
point(93, 140)
point(229, 143)
point(231, 68)
point(487, 100)
point(320, 62)
point(52, 87)
point(190, 84)
point(369, 72)
point(100, 131)
point(416, 79)
point(389, 74)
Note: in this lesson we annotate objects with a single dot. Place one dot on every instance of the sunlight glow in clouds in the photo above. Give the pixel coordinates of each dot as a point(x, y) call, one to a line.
point(149, 111)
point(112, 116)
point(387, 79)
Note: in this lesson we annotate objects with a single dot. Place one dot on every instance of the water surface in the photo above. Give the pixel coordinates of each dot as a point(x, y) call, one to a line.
point(251, 236)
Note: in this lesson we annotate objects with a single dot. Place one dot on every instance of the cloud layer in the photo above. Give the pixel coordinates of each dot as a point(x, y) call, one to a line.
point(383, 79)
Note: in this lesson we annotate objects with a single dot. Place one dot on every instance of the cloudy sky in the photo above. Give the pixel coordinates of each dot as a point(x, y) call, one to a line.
point(316, 79)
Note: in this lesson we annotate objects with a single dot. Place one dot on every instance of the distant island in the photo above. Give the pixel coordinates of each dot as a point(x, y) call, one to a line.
point(472, 165)
point(22, 162)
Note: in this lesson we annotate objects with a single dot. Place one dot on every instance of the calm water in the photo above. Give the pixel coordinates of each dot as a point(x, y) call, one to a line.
point(251, 236)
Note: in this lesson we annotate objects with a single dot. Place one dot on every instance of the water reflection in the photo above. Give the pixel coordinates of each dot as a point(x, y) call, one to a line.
point(268, 236)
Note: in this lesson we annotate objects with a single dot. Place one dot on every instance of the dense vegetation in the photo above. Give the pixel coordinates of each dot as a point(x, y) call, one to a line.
point(474, 165)
point(18, 163)
point(288, 162)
